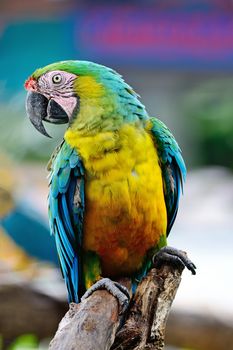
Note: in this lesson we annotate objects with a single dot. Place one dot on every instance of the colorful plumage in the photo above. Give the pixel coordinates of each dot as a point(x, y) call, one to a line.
point(115, 179)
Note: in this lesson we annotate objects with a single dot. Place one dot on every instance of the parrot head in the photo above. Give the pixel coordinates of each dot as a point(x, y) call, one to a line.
point(81, 93)
point(51, 95)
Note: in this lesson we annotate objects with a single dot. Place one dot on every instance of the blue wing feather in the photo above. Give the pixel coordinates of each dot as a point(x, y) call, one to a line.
point(66, 215)
point(172, 165)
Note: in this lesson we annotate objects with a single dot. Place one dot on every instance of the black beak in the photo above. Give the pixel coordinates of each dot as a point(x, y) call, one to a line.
point(40, 108)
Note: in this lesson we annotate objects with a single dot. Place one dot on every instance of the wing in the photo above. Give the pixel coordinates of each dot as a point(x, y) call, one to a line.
point(66, 211)
point(172, 165)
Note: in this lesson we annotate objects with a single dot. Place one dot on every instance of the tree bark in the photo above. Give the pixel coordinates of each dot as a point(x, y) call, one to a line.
point(23, 309)
point(93, 324)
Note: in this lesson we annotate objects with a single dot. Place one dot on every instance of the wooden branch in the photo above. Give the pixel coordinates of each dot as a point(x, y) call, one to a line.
point(145, 325)
point(92, 324)
point(23, 309)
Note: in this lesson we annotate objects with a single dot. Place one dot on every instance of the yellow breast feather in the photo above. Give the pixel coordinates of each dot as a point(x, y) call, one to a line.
point(125, 209)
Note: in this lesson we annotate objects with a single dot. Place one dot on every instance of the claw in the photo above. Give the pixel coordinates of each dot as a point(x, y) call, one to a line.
point(174, 256)
point(115, 288)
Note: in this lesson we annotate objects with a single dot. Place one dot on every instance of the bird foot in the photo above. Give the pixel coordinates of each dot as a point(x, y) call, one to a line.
point(114, 288)
point(173, 256)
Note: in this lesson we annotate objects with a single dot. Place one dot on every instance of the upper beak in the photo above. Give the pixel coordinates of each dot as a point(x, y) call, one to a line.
point(40, 108)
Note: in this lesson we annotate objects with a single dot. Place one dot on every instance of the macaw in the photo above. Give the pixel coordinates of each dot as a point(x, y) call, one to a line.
point(115, 180)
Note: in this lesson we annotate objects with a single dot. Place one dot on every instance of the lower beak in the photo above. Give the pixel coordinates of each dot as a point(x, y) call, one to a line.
point(40, 108)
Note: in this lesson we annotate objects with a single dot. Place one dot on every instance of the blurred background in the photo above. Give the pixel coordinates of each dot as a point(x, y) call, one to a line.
point(178, 55)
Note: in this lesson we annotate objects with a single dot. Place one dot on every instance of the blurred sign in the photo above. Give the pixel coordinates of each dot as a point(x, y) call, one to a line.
point(144, 35)
point(197, 34)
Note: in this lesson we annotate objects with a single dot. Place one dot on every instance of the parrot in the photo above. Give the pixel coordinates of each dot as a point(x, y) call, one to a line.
point(115, 179)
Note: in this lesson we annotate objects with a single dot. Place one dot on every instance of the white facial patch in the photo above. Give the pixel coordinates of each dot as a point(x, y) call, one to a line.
point(59, 86)
point(57, 83)
point(67, 103)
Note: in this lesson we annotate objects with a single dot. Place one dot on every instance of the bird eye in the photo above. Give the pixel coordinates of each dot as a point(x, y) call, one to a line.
point(56, 79)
